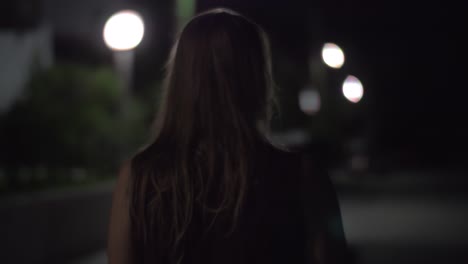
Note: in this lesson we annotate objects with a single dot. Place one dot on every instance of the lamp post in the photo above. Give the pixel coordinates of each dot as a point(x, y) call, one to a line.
point(122, 33)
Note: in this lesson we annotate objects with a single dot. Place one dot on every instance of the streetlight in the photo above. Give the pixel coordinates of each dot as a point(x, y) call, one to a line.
point(333, 55)
point(352, 89)
point(122, 33)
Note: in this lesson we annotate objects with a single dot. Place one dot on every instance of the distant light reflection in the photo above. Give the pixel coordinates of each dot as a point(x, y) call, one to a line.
point(309, 101)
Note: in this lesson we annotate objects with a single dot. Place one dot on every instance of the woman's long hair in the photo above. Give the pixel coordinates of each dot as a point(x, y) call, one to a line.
point(216, 106)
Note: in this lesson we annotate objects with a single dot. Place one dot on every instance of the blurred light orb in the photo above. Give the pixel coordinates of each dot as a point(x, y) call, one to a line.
point(352, 89)
point(309, 101)
point(124, 30)
point(332, 55)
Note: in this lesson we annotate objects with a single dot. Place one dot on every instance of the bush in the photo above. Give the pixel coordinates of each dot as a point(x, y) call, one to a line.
point(69, 117)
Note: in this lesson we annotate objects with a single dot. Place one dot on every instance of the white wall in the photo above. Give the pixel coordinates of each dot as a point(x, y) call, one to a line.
point(20, 54)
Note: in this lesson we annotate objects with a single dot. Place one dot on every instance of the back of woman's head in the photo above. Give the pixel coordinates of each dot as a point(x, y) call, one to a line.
point(217, 97)
point(218, 77)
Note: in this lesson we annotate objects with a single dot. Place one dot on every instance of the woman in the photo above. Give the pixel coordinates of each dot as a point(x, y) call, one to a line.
point(211, 188)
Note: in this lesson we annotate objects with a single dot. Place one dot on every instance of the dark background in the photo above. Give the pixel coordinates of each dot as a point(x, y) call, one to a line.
point(397, 157)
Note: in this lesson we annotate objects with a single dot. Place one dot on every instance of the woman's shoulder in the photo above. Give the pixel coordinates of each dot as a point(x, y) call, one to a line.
point(123, 179)
point(282, 155)
point(281, 165)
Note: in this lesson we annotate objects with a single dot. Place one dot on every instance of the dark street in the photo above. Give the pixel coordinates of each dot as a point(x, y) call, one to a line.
point(403, 219)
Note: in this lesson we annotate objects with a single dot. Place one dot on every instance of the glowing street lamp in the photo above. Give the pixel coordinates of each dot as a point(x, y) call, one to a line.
point(122, 33)
point(333, 55)
point(124, 30)
point(352, 89)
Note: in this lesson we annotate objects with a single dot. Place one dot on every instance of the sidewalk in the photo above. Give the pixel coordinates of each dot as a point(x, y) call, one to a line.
point(416, 182)
point(96, 258)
